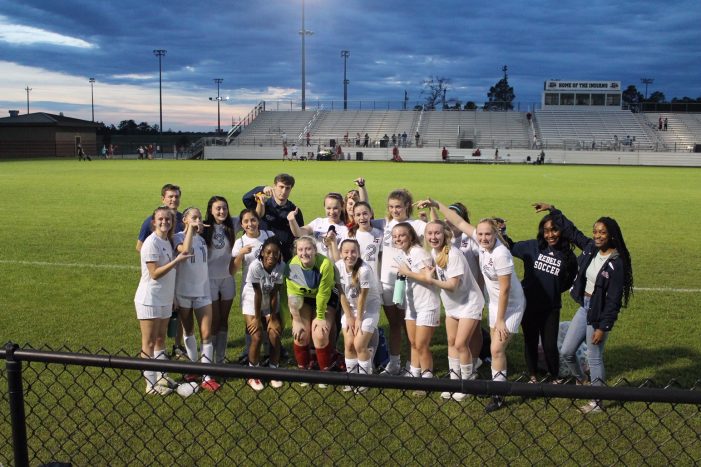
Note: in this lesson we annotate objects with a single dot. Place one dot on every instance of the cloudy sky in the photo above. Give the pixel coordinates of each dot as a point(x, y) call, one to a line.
point(55, 46)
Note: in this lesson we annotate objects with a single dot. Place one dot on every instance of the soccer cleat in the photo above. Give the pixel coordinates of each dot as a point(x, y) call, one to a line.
point(496, 404)
point(158, 390)
point(322, 385)
point(591, 407)
point(347, 389)
point(446, 395)
point(190, 378)
point(276, 384)
point(256, 384)
point(391, 371)
point(459, 396)
point(167, 381)
point(210, 385)
point(303, 384)
point(360, 389)
point(418, 393)
point(179, 353)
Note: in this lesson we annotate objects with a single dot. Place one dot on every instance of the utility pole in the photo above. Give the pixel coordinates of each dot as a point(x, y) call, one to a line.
point(345, 54)
point(218, 99)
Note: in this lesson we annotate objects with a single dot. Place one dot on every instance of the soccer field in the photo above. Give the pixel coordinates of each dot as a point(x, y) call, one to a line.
point(70, 270)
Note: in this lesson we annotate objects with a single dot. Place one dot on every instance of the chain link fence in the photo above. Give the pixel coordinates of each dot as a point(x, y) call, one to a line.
point(92, 409)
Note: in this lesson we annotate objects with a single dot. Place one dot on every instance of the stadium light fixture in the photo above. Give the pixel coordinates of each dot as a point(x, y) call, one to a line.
point(27, 89)
point(92, 97)
point(218, 99)
point(303, 32)
point(647, 81)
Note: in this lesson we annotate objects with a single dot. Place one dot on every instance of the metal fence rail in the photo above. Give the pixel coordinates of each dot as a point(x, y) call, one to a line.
point(91, 409)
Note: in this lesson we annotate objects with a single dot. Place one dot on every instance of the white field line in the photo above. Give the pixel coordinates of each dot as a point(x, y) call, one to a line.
point(71, 265)
point(134, 268)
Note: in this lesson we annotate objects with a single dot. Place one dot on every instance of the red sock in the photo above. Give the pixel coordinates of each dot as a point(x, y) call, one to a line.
point(301, 355)
point(325, 357)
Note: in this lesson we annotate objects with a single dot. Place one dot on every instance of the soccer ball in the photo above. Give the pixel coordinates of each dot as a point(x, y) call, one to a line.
point(187, 389)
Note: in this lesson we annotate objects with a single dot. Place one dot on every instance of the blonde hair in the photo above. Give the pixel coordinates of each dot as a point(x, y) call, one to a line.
point(308, 239)
point(442, 255)
point(495, 229)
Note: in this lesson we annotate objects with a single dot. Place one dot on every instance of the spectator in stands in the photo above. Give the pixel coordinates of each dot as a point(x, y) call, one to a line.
point(506, 299)
point(284, 152)
point(284, 138)
point(366, 141)
point(476, 152)
point(404, 137)
point(417, 136)
point(220, 235)
point(309, 137)
point(394, 139)
point(665, 124)
point(549, 266)
point(603, 285)
point(346, 141)
point(357, 139)
point(294, 152)
point(535, 142)
point(395, 155)
point(339, 152)
point(444, 154)
point(496, 154)
point(659, 123)
point(385, 141)
point(154, 296)
point(313, 301)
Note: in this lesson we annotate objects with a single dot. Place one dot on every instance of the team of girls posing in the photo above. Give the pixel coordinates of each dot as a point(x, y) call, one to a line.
point(348, 265)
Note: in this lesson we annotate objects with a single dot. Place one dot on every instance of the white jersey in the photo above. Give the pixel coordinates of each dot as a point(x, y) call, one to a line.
point(388, 269)
point(267, 280)
point(320, 227)
point(193, 277)
point(251, 256)
point(469, 247)
point(152, 292)
point(420, 297)
point(499, 262)
point(219, 254)
point(370, 247)
point(467, 297)
point(367, 279)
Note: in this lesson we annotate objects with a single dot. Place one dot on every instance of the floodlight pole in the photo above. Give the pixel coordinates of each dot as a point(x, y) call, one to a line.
point(27, 89)
point(304, 33)
point(160, 53)
point(647, 81)
point(345, 54)
point(92, 97)
point(218, 99)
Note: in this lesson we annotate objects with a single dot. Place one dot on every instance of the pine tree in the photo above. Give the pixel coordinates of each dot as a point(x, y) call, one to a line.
point(501, 95)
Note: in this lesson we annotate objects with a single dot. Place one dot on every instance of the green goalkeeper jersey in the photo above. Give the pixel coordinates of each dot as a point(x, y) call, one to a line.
point(316, 282)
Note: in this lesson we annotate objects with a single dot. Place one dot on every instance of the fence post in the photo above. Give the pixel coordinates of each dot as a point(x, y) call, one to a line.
point(16, 400)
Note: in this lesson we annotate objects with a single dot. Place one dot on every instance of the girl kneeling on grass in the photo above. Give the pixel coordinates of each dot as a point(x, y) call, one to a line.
point(423, 305)
point(312, 301)
point(265, 277)
point(506, 299)
point(154, 296)
point(462, 299)
point(360, 298)
point(604, 284)
point(192, 292)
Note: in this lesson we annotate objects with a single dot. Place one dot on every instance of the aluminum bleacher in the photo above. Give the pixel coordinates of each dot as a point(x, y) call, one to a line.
point(683, 129)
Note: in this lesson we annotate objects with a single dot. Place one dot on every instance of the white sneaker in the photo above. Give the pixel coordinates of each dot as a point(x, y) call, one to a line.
point(361, 389)
point(347, 389)
point(276, 384)
point(446, 395)
point(459, 396)
point(303, 384)
point(591, 407)
point(322, 386)
point(391, 371)
point(158, 390)
point(255, 384)
point(167, 381)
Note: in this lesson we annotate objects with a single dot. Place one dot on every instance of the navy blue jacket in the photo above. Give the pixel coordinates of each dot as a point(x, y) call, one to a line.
point(606, 300)
point(546, 274)
point(275, 219)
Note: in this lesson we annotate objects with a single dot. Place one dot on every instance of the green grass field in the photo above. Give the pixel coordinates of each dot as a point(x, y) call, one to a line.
point(70, 271)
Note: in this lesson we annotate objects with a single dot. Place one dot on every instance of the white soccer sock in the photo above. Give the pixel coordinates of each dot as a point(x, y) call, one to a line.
point(465, 371)
point(159, 354)
point(222, 341)
point(365, 367)
point(415, 372)
point(191, 347)
point(394, 361)
point(454, 367)
point(352, 365)
point(207, 356)
point(150, 377)
point(498, 375)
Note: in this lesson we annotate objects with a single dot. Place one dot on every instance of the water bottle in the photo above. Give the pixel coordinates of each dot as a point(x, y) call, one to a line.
point(173, 325)
point(399, 291)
